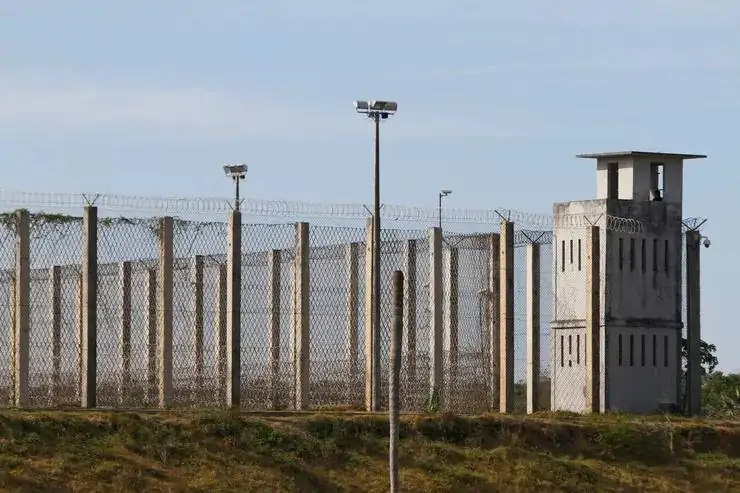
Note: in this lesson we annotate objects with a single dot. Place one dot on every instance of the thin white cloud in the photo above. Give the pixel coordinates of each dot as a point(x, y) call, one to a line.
point(30, 107)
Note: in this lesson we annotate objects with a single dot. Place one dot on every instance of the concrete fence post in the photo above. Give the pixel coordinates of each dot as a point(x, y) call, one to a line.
point(693, 322)
point(301, 312)
point(533, 327)
point(394, 391)
point(593, 320)
point(233, 315)
point(436, 374)
point(89, 354)
point(506, 317)
point(22, 304)
point(166, 285)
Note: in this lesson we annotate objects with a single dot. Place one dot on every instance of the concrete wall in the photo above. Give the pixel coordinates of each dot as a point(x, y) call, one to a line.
point(569, 369)
point(644, 379)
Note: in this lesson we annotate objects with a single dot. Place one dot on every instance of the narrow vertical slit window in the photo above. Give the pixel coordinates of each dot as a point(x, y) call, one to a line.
point(642, 349)
point(655, 255)
point(562, 351)
point(619, 349)
point(665, 351)
point(571, 252)
point(579, 254)
point(643, 253)
point(666, 265)
point(621, 253)
point(578, 349)
point(655, 350)
point(612, 181)
point(562, 256)
point(632, 350)
point(632, 254)
point(570, 350)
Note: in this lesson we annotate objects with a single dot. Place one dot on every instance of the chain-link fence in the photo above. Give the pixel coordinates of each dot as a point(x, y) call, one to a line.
point(163, 305)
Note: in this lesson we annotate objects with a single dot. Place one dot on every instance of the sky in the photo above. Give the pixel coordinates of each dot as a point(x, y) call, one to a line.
point(495, 99)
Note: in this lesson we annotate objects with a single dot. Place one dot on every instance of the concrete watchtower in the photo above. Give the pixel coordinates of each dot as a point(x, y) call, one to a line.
point(641, 296)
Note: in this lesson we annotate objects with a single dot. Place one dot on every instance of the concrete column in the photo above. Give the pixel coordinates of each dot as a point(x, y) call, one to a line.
point(151, 325)
point(55, 276)
point(234, 313)
point(693, 322)
point(301, 307)
point(273, 308)
point(220, 336)
point(506, 317)
point(492, 310)
point(125, 280)
point(593, 320)
point(22, 306)
point(352, 257)
point(409, 312)
point(164, 333)
point(533, 327)
point(198, 323)
point(88, 395)
point(436, 374)
point(451, 335)
point(368, 315)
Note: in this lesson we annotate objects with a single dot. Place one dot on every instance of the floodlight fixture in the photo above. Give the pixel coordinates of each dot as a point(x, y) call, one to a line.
point(442, 194)
point(236, 172)
point(376, 109)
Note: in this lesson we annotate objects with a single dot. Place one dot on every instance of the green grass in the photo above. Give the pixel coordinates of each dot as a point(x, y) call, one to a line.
point(220, 451)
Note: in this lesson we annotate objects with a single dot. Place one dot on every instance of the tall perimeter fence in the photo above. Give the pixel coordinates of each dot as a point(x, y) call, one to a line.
point(134, 302)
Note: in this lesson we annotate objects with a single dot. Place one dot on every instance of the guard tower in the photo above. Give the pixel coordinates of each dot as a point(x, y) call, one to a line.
point(640, 286)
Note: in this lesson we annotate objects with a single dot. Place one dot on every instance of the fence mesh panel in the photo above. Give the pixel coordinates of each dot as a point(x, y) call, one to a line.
point(7, 310)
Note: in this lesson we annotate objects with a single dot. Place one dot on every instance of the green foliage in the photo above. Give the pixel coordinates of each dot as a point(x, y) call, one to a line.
point(709, 360)
point(433, 403)
point(721, 395)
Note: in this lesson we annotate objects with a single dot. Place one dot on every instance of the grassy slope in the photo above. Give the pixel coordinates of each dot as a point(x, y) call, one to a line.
point(214, 452)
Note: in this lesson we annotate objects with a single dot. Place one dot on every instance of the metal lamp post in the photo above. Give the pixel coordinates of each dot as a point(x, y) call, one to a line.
point(376, 111)
point(442, 194)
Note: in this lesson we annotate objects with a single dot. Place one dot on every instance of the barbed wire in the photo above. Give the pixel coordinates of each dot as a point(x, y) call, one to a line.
point(292, 209)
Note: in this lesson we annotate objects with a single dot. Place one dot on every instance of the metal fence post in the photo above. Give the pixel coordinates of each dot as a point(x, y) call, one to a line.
point(164, 347)
point(198, 325)
point(90, 308)
point(55, 275)
point(451, 330)
point(533, 327)
point(352, 256)
point(125, 320)
point(273, 310)
point(506, 322)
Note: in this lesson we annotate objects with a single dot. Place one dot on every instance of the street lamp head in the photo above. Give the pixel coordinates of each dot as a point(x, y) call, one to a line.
point(445, 193)
point(376, 108)
point(236, 171)
point(707, 242)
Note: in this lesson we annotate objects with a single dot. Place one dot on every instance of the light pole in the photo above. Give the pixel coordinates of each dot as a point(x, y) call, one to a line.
point(442, 194)
point(236, 172)
point(376, 111)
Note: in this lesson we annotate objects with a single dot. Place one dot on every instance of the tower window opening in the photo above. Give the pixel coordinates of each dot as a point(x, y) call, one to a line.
point(612, 181)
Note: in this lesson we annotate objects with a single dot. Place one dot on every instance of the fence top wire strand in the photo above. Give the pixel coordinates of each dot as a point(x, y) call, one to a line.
point(295, 209)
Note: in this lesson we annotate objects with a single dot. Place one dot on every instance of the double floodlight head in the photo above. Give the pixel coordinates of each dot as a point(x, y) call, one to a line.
point(382, 109)
point(444, 193)
point(236, 171)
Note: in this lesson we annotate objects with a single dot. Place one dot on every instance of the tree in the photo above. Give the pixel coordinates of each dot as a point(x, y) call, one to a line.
point(721, 395)
point(709, 361)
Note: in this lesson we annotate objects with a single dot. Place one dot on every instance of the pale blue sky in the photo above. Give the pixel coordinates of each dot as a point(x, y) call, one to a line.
point(151, 97)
